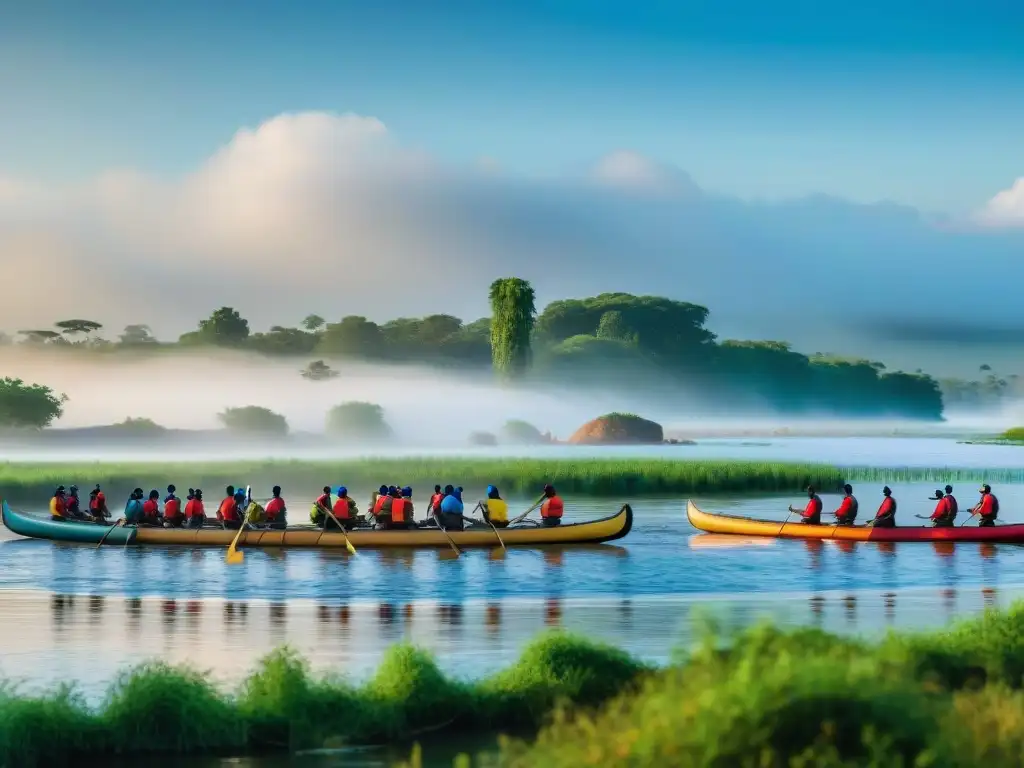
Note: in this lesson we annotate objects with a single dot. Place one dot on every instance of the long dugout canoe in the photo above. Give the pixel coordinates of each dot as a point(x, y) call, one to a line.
point(710, 522)
point(42, 526)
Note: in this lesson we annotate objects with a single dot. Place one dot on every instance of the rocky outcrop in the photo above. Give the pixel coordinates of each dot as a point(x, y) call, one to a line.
point(619, 429)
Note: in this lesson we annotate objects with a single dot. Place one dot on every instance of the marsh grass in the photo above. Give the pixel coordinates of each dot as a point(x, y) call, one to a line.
point(620, 478)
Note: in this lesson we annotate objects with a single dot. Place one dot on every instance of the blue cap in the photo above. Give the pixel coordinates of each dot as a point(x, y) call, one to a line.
point(491, 489)
point(342, 490)
point(382, 490)
point(458, 494)
point(407, 491)
point(391, 489)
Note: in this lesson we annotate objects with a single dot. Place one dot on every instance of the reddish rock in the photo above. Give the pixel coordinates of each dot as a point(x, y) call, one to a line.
point(618, 429)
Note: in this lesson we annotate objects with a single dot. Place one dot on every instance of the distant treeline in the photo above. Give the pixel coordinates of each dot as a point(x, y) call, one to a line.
point(612, 341)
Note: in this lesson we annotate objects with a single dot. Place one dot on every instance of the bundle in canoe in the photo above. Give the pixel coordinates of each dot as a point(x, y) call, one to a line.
point(710, 522)
point(593, 532)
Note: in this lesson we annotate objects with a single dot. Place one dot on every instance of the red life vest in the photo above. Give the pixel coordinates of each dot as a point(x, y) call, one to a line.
point(813, 508)
point(324, 500)
point(989, 506)
point(194, 508)
point(94, 503)
point(941, 509)
point(398, 507)
point(552, 507)
point(848, 509)
point(228, 509)
point(887, 508)
point(150, 509)
point(951, 506)
point(435, 502)
point(274, 507)
point(378, 505)
point(172, 508)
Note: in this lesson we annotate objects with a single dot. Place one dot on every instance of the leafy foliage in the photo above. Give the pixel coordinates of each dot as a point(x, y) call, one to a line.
point(28, 405)
point(318, 370)
point(357, 420)
point(253, 419)
point(224, 328)
point(512, 319)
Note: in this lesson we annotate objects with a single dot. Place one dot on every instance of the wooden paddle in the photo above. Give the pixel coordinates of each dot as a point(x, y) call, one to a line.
point(233, 556)
point(527, 512)
point(480, 506)
point(348, 543)
point(115, 525)
point(445, 531)
point(786, 521)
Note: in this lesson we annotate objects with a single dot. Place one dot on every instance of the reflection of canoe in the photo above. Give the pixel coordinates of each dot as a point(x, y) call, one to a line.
point(593, 532)
point(745, 526)
point(717, 541)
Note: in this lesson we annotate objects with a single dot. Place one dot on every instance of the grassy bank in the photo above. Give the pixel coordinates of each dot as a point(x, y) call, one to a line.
point(162, 709)
point(933, 474)
point(775, 699)
point(620, 478)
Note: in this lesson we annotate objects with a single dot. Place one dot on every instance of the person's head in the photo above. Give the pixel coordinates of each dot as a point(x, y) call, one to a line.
point(549, 490)
point(848, 489)
point(342, 491)
point(937, 496)
point(74, 489)
point(327, 490)
point(230, 490)
point(458, 489)
point(407, 492)
point(810, 491)
point(97, 488)
point(191, 493)
point(171, 489)
point(986, 488)
point(949, 490)
point(276, 491)
point(492, 492)
point(154, 494)
point(94, 492)
point(137, 493)
point(437, 489)
point(887, 491)
point(449, 490)
point(382, 491)
point(392, 490)
point(59, 491)
point(458, 493)
point(199, 494)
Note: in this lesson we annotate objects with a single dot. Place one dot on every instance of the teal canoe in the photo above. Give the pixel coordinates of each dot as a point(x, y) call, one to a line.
point(40, 527)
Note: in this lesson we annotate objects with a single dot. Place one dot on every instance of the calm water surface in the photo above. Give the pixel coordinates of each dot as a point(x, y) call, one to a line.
point(647, 593)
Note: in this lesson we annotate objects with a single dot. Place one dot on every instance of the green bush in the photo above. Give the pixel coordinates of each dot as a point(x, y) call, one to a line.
point(358, 421)
point(253, 420)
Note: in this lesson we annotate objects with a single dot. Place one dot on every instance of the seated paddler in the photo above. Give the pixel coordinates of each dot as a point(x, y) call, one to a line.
point(174, 515)
point(318, 512)
point(847, 511)
point(276, 511)
point(74, 505)
point(345, 509)
point(885, 517)
point(133, 509)
point(228, 513)
point(552, 508)
point(940, 517)
point(452, 510)
point(810, 514)
point(195, 512)
point(494, 508)
point(58, 504)
point(98, 505)
point(151, 510)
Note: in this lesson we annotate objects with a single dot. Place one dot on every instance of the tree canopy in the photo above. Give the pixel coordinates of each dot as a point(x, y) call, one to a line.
point(357, 421)
point(253, 420)
point(28, 406)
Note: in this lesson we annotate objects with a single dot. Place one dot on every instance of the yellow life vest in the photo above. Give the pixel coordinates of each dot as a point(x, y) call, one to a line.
point(256, 513)
point(497, 510)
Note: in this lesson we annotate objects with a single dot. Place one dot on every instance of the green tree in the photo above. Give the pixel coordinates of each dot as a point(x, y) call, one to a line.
point(519, 432)
point(612, 326)
point(31, 406)
point(283, 341)
point(318, 370)
point(253, 419)
point(313, 323)
point(224, 328)
point(136, 336)
point(78, 327)
point(512, 318)
point(354, 336)
point(41, 337)
point(357, 421)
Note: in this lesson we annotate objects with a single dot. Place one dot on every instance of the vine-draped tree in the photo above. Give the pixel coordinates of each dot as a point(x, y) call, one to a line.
point(512, 317)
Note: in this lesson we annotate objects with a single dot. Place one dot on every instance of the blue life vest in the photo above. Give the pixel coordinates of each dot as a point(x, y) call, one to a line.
point(133, 511)
point(451, 505)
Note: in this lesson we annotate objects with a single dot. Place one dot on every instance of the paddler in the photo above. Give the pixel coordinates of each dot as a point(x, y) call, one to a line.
point(173, 515)
point(435, 500)
point(74, 505)
point(399, 513)
point(195, 512)
point(847, 511)
point(151, 510)
point(381, 502)
point(98, 505)
point(552, 508)
point(58, 504)
point(318, 514)
point(885, 517)
point(133, 509)
point(954, 508)
point(940, 517)
point(810, 514)
point(345, 509)
point(276, 511)
point(987, 507)
point(228, 513)
point(494, 508)
point(452, 510)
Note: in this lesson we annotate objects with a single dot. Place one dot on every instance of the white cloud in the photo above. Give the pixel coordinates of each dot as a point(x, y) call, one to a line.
point(1006, 208)
point(326, 213)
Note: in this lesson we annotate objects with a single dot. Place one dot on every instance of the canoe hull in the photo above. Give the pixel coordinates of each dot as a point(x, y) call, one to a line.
point(594, 532)
point(745, 526)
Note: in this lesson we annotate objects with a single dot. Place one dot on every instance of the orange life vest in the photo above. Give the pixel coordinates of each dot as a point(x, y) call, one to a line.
point(342, 508)
point(274, 507)
point(59, 507)
point(228, 509)
point(398, 510)
point(151, 509)
point(552, 507)
point(435, 502)
point(194, 508)
point(172, 508)
point(378, 505)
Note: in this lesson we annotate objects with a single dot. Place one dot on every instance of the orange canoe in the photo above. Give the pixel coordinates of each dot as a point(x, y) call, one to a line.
point(710, 522)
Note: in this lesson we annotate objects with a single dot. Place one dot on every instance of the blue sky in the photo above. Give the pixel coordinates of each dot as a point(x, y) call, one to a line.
point(917, 102)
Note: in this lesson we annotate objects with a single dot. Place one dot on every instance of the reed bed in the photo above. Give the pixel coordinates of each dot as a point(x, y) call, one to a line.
point(621, 478)
point(1004, 475)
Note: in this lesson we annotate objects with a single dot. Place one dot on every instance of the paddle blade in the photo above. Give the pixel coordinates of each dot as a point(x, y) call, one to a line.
point(234, 557)
point(349, 547)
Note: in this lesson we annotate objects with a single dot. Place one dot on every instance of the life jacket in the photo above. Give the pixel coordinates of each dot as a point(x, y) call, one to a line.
point(274, 508)
point(94, 502)
point(255, 513)
point(941, 509)
point(151, 509)
point(342, 508)
point(849, 507)
point(887, 508)
point(172, 507)
point(497, 510)
point(193, 508)
point(71, 505)
point(989, 506)
point(58, 508)
point(228, 509)
point(398, 507)
point(378, 505)
point(552, 507)
point(952, 508)
point(435, 502)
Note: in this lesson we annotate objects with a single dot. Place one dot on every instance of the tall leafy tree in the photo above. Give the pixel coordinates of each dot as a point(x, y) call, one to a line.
point(78, 327)
point(313, 323)
point(137, 336)
point(224, 328)
point(513, 314)
point(32, 406)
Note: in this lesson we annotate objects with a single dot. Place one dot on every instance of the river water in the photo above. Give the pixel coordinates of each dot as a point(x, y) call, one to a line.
point(648, 593)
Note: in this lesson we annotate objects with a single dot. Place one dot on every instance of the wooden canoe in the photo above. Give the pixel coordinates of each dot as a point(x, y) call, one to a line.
point(42, 526)
point(710, 522)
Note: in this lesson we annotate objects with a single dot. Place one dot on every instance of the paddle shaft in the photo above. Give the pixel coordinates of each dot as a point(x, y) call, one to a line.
point(480, 506)
point(527, 512)
point(786, 521)
point(348, 543)
point(115, 525)
point(445, 532)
